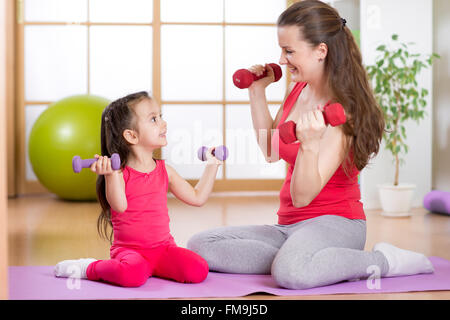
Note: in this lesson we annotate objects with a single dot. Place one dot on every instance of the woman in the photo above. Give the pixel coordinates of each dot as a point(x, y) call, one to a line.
point(321, 231)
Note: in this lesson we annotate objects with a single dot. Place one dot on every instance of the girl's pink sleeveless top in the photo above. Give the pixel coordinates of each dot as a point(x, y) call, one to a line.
point(145, 223)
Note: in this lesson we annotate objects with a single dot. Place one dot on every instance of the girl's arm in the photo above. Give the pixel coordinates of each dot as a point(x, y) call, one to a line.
point(198, 195)
point(114, 183)
point(115, 191)
point(320, 155)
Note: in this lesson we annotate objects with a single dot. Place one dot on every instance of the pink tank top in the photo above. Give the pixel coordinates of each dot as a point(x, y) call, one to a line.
point(145, 223)
point(340, 196)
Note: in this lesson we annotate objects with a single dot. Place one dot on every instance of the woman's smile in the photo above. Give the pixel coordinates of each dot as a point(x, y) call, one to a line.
point(292, 69)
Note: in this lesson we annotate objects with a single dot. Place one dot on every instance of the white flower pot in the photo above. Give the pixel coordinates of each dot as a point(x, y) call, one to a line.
point(396, 200)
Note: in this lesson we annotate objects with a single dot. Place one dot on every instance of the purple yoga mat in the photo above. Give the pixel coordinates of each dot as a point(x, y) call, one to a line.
point(38, 283)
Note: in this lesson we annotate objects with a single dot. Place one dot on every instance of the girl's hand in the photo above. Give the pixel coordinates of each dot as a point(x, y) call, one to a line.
point(258, 70)
point(210, 159)
point(310, 128)
point(102, 166)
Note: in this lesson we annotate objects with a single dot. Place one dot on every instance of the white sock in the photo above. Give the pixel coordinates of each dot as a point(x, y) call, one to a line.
point(403, 262)
point(73, 268)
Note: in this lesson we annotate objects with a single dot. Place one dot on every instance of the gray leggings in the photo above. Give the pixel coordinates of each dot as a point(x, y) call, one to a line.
point(311, 253)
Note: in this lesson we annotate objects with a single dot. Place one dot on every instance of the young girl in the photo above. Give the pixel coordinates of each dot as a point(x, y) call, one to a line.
point(134, 200)
point(321, 231)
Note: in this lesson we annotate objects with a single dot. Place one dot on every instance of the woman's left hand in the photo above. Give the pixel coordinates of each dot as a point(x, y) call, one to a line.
point(310, 128)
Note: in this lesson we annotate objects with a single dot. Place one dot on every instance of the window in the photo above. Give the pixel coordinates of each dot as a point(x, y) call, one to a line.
point(183, 52)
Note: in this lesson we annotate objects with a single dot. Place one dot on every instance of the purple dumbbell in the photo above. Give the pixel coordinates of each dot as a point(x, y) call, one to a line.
point(220, 152)
point(78, 163)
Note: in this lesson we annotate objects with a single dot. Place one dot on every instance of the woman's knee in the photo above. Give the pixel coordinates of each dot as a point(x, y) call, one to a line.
point(195, 242)
point(290, 274)
point(201, 240)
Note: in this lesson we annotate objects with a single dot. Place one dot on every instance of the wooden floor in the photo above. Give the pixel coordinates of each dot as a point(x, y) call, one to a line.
point(44, 230)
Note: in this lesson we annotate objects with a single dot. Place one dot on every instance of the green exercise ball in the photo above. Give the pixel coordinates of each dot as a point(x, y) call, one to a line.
point(68, 127)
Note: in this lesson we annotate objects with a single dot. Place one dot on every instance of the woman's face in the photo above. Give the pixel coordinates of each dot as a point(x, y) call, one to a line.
point(300, 57)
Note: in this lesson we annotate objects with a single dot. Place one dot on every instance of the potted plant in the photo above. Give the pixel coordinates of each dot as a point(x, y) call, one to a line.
point(394, 78)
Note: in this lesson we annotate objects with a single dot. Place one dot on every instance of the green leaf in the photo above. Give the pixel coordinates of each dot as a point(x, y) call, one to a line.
point(403, 131)
point(394, 76)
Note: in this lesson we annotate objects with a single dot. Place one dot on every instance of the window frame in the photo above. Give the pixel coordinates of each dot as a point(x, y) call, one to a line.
point(23, 186)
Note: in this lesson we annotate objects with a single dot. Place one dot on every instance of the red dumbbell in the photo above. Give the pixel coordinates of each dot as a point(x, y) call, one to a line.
point(243, 78)
point(333, 115)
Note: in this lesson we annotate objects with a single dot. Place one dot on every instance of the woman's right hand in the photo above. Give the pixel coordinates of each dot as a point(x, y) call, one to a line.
point(102, 166)
point(258, 70)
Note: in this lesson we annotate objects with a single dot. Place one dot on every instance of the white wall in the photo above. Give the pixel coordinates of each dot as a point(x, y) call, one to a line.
point(350, 11)
point(441, 83)
point(412, 20)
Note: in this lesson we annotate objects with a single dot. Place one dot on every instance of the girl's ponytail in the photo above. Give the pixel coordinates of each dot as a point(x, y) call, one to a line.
point(117, 117)
point(104, 219)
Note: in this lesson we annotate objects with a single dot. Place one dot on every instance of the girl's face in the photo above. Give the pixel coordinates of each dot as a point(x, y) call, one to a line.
point(150, 125)
point(302, 60)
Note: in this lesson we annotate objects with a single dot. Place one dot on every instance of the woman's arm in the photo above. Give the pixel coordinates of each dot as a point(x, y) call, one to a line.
point(321, 153)
point(262, 120)
point(198, 195)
